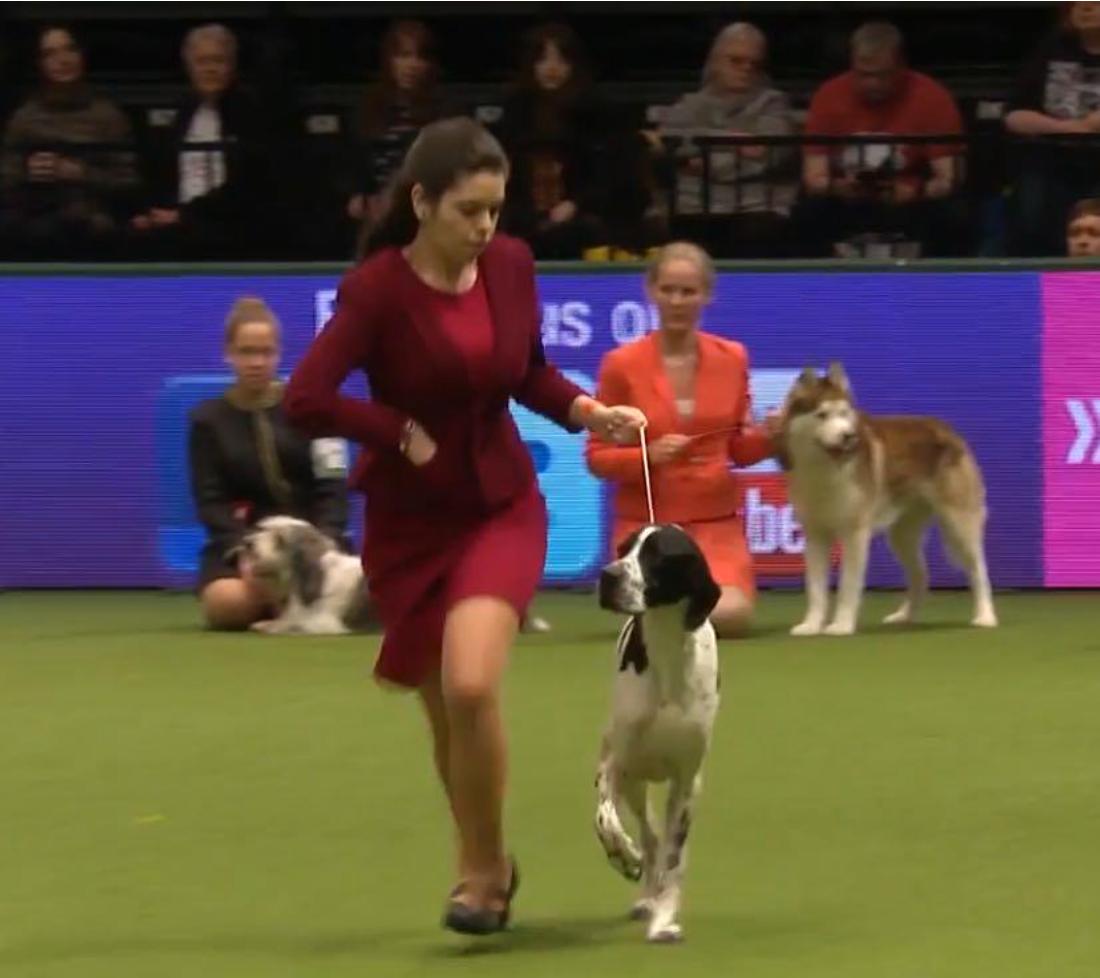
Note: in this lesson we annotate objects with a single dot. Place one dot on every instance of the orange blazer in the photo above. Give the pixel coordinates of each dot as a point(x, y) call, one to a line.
point(697, 484)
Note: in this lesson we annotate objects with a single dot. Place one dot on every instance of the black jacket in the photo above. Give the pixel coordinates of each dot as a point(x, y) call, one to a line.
point(248, 464)
point(249, 164)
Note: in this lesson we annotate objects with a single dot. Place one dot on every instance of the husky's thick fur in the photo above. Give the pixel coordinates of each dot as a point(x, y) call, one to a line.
point(851, 474)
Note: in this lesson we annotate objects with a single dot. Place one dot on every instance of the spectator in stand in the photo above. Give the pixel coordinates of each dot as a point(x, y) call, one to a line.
point(552, 129)
point(746, 184)
point(391, 113)
point(1083, 229)
point(57, 203)
point(883, 187)
point(212, 201)
point(1058, 95)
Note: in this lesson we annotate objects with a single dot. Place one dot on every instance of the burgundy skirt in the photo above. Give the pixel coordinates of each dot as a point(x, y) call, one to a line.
point(417, 571)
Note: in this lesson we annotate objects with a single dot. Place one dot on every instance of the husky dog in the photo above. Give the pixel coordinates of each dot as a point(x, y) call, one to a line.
point(850, 475)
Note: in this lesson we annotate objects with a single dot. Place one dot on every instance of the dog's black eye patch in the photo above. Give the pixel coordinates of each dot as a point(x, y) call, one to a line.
point(667, 558)
point(674, 568)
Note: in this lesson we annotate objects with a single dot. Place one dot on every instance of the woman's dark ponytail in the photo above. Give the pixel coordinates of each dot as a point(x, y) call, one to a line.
point(442, 153)
point(395, 227)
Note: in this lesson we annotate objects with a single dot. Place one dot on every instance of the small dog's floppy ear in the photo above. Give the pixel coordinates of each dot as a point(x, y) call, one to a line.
point(307, 578)
point(703, 593)
point(838, 377)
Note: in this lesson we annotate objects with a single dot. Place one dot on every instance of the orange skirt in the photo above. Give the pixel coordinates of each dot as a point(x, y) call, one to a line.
point(723, 544)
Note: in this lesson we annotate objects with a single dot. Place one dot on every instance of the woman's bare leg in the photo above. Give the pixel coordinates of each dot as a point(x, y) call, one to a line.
point(477, 637)
point(733, 613)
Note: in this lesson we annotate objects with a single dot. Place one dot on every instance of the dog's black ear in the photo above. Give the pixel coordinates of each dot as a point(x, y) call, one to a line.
point(703, 593)
point(306, 576)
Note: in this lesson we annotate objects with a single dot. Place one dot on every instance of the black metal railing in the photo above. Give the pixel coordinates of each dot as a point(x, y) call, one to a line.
point(762, 181)
point(771, 179)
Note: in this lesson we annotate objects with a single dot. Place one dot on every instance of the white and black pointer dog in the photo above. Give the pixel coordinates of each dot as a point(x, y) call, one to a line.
point(320, 589)
point(664, 703)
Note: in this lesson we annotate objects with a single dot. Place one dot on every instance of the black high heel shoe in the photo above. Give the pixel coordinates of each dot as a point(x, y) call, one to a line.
point(480, 921)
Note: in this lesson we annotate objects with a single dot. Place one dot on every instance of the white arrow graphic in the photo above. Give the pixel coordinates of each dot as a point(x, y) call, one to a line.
point(1086, 430)
point(1096, 414)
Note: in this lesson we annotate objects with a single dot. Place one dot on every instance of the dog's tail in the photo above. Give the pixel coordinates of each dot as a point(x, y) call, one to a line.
point(962, 508)
point(622, 851)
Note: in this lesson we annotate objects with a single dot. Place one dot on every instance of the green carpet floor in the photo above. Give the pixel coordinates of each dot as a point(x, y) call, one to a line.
point(902, 804)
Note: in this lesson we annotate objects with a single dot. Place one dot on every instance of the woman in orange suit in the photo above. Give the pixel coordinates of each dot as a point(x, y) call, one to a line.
point(694, 390)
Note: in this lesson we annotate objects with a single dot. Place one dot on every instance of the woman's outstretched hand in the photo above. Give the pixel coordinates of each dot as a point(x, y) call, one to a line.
point(619, 423)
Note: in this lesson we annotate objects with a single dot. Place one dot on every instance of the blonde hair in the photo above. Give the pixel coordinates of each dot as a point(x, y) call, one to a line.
point(249, 309)
point(686, 251)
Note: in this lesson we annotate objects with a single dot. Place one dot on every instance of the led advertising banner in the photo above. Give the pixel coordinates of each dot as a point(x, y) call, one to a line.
point(99, 373)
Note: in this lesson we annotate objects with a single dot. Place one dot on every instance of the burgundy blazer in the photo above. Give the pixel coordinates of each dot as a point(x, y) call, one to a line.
point(381, 326)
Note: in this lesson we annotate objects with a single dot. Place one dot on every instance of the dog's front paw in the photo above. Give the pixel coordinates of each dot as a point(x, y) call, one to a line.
point(986, 619)
point(327, 626)
point(840, 628)
point(671, 933)
point(806, 627)
point(900, 617)
point(642, 909)
point(626, 863)
point(268, 627)
point(621, 850)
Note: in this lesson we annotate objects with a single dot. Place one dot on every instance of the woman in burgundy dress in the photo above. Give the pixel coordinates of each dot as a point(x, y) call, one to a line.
point(444, 320)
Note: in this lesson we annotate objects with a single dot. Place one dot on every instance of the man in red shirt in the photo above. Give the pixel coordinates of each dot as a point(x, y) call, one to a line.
point(880, 186)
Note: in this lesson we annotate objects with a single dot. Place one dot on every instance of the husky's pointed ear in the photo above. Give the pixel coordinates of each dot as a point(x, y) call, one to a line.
point(838, 377)
point(807, 378)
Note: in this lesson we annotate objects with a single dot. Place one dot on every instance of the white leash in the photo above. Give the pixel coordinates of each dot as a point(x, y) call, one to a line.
point(645, 472)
